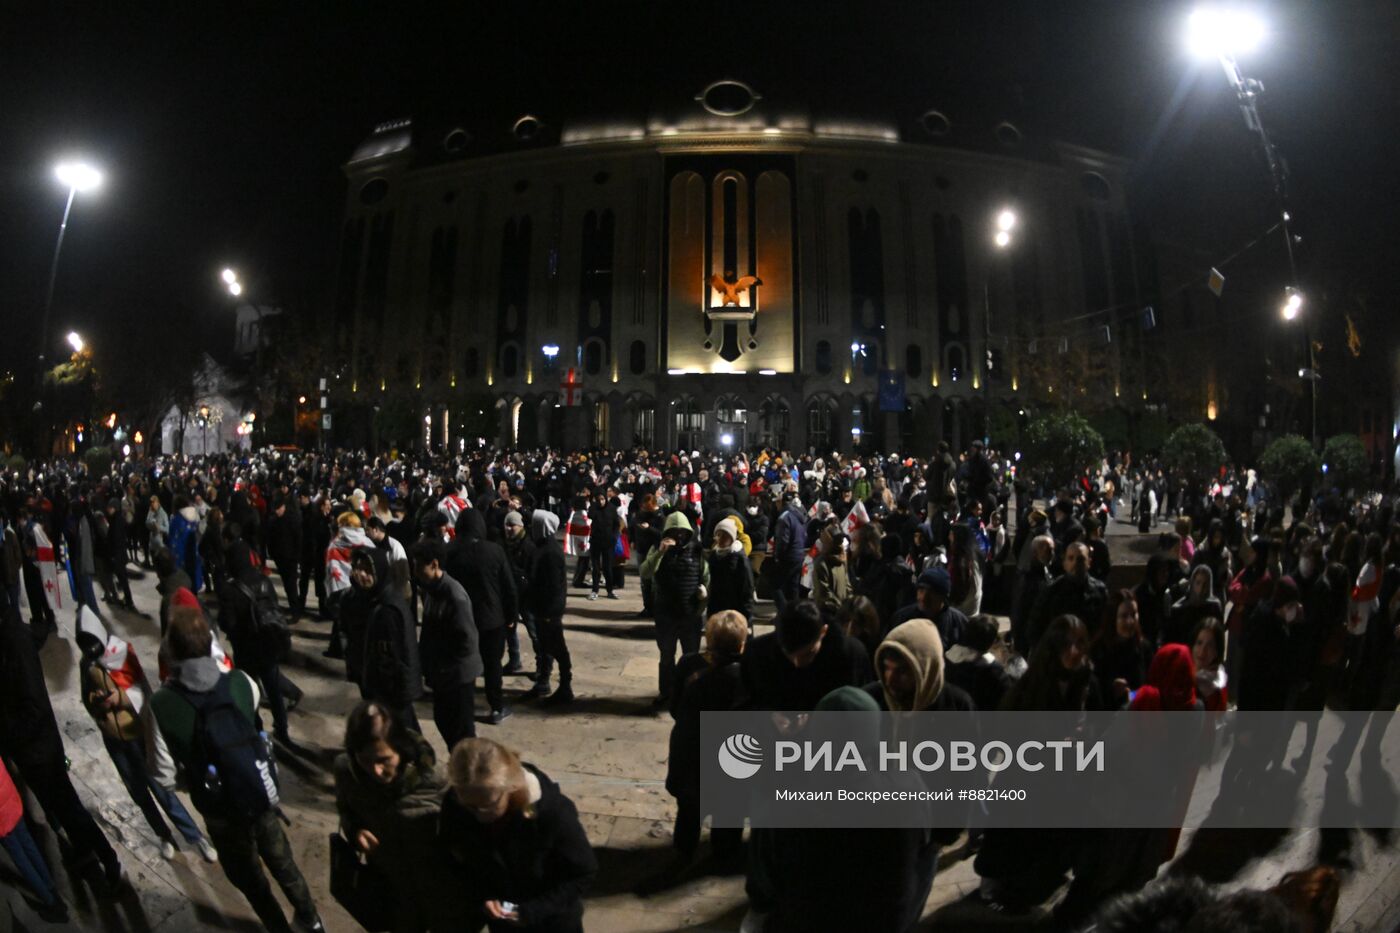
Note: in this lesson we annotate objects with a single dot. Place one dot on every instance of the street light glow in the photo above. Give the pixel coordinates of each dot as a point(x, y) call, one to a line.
point(75, 341)
point(229, 276)
point(235, 289)
point(1292, 303)
point(1002, 239)
point(726, 439)
point(550, 350)
point(1214, 32)
point(78, 176)
point(1006, 219)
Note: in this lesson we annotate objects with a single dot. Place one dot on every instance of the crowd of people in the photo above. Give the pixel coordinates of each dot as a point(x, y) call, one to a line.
point(887, 577)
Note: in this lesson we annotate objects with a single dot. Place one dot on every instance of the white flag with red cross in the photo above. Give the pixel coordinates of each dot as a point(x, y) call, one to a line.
point(571, 389)
point(856, 519)
point(47, 558)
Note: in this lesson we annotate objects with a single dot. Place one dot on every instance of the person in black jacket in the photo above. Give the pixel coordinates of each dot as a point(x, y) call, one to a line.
point(604, 527)
point(802, 661)
point(679, 572)
point(381, 653)
point(484, 571)
point(520, 551)
point(731, 574)
point(284, 533)
point(517, 841)
point(315, 539)
point(705, 681)
point(255, 650)
point(548, 581)
point(931, 602)
point(29, 737)
point(117, 550)
point(447, 644)
point(973, 667)
point(1076, 593)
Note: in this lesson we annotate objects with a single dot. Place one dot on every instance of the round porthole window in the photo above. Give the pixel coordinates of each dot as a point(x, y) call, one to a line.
point(455, 141)
point(1008, 135)
point(728, 98)
point(935, 124)
point(526, 128)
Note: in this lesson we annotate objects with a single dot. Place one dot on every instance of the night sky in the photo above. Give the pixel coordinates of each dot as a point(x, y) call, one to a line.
point(223, 128)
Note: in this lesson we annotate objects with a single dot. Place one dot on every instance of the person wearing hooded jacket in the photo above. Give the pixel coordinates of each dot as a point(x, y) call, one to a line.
point(1187, 612)
point(381, 654)
point(483, 569)
point(184, 541)
point(546, 597)
point(680, 577)
point(731, 574)
point(909, 663)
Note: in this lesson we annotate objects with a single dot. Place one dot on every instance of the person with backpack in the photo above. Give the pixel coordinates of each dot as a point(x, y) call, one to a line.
point(483, 569)
point(210, 736)
point(258, 632)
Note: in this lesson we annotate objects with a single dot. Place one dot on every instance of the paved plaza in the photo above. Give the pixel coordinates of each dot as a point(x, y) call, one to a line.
point(607, 751)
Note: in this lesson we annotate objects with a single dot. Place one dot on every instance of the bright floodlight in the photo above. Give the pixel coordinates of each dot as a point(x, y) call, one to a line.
point(78, 176)
point(1002, 239)
point(1006, 219)
point(75, 341)
point(550, 350)
point(1213, 32)
point(235, 289)
point(726, 439)
point(229, 276)
point(1292, 303)
point(855, 347)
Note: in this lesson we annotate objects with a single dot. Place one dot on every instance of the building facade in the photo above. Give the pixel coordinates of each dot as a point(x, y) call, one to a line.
point(728, 274)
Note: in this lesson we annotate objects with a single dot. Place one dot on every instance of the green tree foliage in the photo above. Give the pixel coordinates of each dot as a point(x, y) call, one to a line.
point(98, 460)
point(1060, 446)
point(1348, 467)
point(1194, 451)
point(1290, 463)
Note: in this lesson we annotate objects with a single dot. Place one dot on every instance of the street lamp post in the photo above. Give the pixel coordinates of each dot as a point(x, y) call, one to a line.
point(76, 176)
point(1222, 34)
point(1006, 221)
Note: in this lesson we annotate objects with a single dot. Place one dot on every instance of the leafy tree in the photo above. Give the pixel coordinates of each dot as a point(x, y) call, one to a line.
point(1194, 451)
point(1347, 464)
point(17, 464)
point(1290, 463)
point(98, 460)
point(1060, 446)
point(1003, 427)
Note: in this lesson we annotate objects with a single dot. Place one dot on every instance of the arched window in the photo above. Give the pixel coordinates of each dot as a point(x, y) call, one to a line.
point(818, 424)
point(956, 366)
point(913, 360)
point(823, 357)
point(510, 361)
point(773, 418)
point(470, 363)
point(593, 357)
point(638, 357)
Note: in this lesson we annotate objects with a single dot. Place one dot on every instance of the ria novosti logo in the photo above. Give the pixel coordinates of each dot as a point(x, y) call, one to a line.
point(740, 756)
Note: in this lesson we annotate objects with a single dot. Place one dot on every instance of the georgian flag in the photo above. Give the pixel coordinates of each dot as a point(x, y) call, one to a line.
point(47, 559)
point(119, 660)
point(347, 540)
point(690, 493)
point(1364, 599)
point(576, 533)
point(856, 519)
point(809, 566)
point(452, 506)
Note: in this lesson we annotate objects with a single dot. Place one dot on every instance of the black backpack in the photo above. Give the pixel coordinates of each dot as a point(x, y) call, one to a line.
point(232, 772)
point(264, 621)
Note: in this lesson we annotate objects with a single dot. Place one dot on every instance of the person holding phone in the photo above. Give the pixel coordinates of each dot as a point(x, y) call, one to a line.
point(515, 840)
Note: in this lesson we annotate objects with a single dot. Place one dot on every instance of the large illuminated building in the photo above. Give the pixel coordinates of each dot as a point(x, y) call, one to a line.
point(732, 270)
